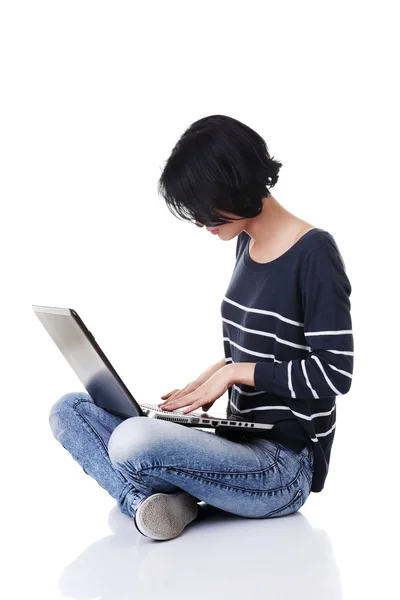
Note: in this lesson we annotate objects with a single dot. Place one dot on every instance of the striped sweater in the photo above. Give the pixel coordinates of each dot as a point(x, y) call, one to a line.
point(291, 316)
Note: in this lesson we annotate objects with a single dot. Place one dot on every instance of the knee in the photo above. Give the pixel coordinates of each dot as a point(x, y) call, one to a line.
point(62, 411)
point(127, 439)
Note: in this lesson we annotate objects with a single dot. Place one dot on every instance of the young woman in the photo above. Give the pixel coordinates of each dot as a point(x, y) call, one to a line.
point(288, 352)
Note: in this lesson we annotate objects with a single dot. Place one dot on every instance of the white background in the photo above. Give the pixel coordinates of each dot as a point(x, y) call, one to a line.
point(94, 95)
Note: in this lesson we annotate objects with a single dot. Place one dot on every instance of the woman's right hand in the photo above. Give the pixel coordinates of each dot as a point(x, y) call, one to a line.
point(193, 385)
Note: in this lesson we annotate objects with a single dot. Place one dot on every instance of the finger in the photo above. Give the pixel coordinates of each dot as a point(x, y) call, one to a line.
point(175, 397)
point(188, 388)
point(193, 406)
point(170, 397)
point(169, 393)
point(183, 392)
point(182, 401)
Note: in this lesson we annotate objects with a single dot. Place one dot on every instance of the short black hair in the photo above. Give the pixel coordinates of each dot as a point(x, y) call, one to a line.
point(218, 164)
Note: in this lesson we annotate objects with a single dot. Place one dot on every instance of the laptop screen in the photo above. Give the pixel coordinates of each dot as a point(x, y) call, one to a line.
point(88, 361)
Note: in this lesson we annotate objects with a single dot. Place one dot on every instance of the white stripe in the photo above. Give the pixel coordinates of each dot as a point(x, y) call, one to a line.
point(264, 312)
point(252, 352)
point(303, 366)
point(315, 415)
point(328, 381)
point(329, 332)
point(300, 415)
point(267, 334)
point(302, 362)
point(341, 371)
point(227, 339)
point(318, 435)
point(290, 379)
point(247, 410)
point(282, 318)
point(323, 434)
point(247, 393)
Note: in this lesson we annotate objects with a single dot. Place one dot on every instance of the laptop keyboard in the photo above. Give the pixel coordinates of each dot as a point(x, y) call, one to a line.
point(166, 412)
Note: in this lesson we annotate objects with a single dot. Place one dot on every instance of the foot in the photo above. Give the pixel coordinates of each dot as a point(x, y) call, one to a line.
point(165, 516)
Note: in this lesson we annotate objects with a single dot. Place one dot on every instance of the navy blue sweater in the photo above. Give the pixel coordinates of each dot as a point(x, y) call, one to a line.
point(291, 316)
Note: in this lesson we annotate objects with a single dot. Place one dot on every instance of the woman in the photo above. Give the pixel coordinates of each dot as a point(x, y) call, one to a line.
point(288, 347)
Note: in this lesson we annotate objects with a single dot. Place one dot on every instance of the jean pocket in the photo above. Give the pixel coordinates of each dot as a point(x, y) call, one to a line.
point(292, 506)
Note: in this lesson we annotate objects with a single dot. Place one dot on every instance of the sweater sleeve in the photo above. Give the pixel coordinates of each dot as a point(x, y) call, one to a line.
point(328, 368)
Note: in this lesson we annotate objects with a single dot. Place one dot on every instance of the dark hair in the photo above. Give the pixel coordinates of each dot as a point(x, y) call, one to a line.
point(218, 164)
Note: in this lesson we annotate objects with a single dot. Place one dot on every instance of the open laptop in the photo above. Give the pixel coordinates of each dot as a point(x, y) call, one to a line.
point(103, 383)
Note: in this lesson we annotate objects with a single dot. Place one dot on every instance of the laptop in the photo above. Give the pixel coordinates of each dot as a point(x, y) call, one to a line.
point(106, 387)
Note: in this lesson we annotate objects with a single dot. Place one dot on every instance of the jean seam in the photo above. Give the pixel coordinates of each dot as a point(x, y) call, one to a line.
point(275, 459)
point(258, 471)
point(306, 475)
point(183, 470)
point(290, 503)
point(220, 483)
point(212, 481)
point(222, 472)
point(74, 406)
point(98, 438)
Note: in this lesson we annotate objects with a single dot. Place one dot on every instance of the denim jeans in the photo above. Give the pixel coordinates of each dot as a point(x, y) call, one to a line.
point(136, 457)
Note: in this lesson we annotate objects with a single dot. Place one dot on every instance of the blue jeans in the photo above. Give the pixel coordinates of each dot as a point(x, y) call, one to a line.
point(136, 457)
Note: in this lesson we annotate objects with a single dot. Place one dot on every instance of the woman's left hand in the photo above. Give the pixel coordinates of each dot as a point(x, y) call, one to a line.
point(205, 394)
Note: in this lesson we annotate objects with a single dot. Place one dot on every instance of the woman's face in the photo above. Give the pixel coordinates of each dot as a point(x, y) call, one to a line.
point(229, 230)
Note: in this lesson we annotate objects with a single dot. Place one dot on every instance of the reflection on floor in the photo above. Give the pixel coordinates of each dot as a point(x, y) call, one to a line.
point(218, 553)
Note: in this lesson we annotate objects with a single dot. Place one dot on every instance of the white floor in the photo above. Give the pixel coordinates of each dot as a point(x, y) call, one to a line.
point(64, 537)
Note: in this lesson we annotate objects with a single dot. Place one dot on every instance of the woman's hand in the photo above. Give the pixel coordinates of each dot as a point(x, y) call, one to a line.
point(205, 395)
point(193, 385)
